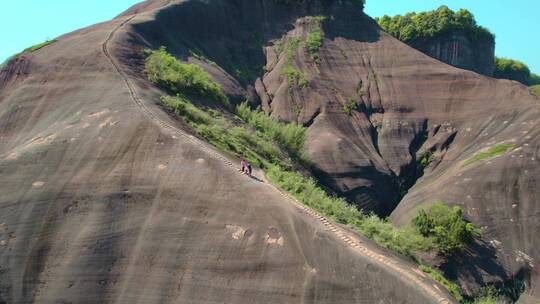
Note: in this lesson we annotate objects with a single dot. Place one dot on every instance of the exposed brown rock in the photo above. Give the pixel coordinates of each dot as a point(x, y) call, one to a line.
point(102, 201)
point(127, 221)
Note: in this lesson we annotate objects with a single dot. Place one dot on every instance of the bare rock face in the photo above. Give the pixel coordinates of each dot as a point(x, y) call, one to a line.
point(102, 202)
point(409, 106)
point(413, 106)
point(102, 205)
point(458, 49)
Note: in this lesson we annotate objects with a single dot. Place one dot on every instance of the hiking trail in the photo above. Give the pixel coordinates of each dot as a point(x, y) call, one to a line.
point(414, 275)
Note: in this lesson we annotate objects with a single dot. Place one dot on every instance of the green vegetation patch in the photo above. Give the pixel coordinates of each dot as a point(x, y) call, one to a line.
point(492, 152)
point(425, 160)
point(319, 19)
point(489, 295)
point(314, 42)
point(218, 131)
point(292, 47)
point(350, 106)
point(506, 68)
point(290, 136)
point(489, 299)
point(3, 64)
point(315, 38)
point(536, 90)
point(28, 50)
point(452, 287)
point(416, 27)
point(188, 79)
point(446, 226)
point(270, 144)
point(294, 76)
point(39, 46)
point(405, 240)
point(534, 79)
point(278, 47)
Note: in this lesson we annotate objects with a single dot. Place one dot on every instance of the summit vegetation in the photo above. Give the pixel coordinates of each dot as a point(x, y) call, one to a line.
point(536, 90)
point(506, 68)
point(29, 50)
point(414, 27)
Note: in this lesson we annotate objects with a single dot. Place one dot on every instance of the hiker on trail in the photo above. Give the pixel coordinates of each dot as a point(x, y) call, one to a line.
point(243, 164)
point(249, 169)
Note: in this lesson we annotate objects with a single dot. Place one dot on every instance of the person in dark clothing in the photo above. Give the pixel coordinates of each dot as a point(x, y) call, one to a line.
point(249, 169)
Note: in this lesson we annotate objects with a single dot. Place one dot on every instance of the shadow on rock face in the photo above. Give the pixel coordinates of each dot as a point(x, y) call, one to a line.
point(351, 25)
point(234, 32)
point(478, 266)
point(379, 187)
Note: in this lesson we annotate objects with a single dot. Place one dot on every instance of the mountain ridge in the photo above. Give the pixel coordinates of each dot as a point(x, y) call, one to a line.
point(386, 69)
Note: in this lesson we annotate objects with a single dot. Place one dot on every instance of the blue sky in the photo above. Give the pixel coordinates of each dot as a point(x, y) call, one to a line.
point(25, 23)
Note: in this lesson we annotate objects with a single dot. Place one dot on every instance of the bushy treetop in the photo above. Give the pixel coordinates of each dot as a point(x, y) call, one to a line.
point(415, 27)
point(506, 68)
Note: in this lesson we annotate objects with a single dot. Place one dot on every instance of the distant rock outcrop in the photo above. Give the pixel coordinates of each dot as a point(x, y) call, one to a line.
point(449, 36)
point(458, 49)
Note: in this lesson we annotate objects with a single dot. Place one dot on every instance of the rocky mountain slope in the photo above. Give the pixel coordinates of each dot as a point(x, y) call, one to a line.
point(101, 204)
point(107, 200)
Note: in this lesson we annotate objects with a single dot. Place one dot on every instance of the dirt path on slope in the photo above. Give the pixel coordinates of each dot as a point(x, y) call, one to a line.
point(413, 275)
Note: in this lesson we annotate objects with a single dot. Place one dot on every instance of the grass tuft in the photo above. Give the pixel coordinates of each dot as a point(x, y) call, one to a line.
point(492, 152)
point(28, 50)
point(292, 47)
point(536, 90)
point(294, 76)
point(315, 38)
point(289, 136)
point(452, 287)
point(314, 42)
point(349, 106)
point(39, 46)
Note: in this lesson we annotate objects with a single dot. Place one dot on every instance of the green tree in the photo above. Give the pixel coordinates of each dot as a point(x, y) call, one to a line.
point(512, 69)
point(414, 27)
point(534, 79)
point(446, 226)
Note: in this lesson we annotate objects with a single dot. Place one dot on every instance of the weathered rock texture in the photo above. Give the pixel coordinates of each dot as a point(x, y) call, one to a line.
point(411, 104)
point(102, 205)
point(458, 49)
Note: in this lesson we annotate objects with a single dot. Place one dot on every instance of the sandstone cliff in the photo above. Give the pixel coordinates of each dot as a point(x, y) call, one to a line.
point(105, 199)
point(458, 49)
point(100, 203)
